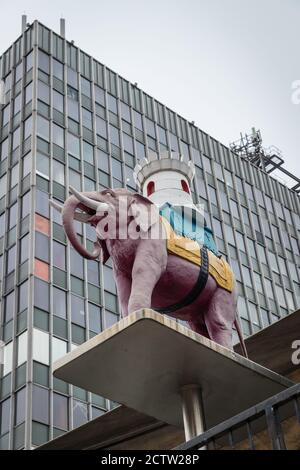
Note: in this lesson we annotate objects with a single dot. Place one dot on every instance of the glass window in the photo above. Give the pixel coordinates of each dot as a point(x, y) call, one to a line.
point(58, 69)
point(150, 128)
point(43, 62)
point(5, 115)
point(140, 150)
point(14, 175)
point(41, 346)
point(3, 181)
point(88, 153)
point(59, 303)
point(112, 104)
point(5, 416)
point(87, 118)
point(42, 246)
point(116, 169)
point(273, 260)
point(240, 241)
point(77, 310)
point(25, 205)
point(16, 138)
point(59, 255)
point(23, 296)
point(93, 266)
point(85, 87)
point(59, 348)
point(138, 120)
point(17, 104)
point(27, 127)
point(58, 101)
point(73, 109)
point(28, 93)
point(43, 92)
point(24, 249)
point(11, 259)
point(2, 225)
point(94, 318)
point(101, 127)
point(58, 172)
point(26, 165)
point(40, 404)
point(75, 179)
point(9, 307)
point(212, 195)
point(99, 95)
point(58, 135)
point(22, 348)
point(60, 411)
point(125, 112)
point(40, 374)
point(20, 406)
point(103, 160)
point(254, 313)
point(76, 263)
point(43, 127)
point(43, 164)
point(8, 83)
point(261, 253)
point(41, 294)
point(234, 209)
point(109, 282)
point(4, 149)
point(247, 276)
point(114, 135)
point(79, 413)
point(13, 211)
point(128, 143)
point(73, 145)
point(8, 357)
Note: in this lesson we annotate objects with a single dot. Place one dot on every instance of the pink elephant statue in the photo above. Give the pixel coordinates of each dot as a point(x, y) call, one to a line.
point(147, 275)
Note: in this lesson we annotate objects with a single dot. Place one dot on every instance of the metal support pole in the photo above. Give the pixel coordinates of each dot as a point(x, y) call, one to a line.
point(193, 412)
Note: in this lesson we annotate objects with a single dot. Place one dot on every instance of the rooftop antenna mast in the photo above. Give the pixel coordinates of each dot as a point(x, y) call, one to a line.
point(269, 159)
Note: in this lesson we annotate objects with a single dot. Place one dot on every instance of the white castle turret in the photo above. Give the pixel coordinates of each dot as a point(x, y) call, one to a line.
point(168, 179)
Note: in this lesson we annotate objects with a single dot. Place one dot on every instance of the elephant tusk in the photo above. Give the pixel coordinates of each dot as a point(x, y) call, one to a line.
point(91, 203)
point(56, 206)
point(82, 217)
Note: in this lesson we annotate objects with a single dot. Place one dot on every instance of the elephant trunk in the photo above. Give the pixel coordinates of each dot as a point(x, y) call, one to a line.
point(68, 215)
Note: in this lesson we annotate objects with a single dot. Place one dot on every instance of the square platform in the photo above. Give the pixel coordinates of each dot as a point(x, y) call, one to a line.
point(143, 360)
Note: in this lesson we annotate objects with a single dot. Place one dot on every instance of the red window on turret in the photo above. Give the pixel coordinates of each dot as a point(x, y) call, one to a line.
point(150, 188)
point(185, 187)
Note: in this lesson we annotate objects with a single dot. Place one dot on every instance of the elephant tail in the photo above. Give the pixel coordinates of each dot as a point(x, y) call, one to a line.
point(240, 335)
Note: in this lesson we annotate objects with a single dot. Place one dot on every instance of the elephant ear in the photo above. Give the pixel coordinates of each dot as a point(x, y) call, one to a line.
point(145, 213)
point(104, 251)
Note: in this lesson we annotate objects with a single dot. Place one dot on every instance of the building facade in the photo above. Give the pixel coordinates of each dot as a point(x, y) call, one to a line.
point(66, 119)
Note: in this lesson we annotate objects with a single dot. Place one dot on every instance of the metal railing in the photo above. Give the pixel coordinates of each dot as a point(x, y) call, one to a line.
point(272, 424)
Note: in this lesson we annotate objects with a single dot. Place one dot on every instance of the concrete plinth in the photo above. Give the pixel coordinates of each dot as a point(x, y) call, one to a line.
point(146, 359)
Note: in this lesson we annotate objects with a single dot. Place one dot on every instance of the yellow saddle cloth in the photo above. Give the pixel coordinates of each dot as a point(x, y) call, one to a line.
point(188, 249)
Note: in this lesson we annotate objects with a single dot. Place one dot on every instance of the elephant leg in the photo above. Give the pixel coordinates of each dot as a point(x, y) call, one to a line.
point(124, 288)
point(196, 323)
point(219, 317)
point(145, 274)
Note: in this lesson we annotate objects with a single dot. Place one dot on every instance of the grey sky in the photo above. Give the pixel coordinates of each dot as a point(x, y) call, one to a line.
point(226, 64)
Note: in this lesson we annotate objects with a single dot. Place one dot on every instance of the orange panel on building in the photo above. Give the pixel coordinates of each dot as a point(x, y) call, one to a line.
point(41, 270)
point(42, 224)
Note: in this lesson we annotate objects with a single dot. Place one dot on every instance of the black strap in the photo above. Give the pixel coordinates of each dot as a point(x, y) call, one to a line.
point(196, 290)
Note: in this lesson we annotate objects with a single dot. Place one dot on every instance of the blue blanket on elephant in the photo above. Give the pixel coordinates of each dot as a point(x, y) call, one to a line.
point(190, 223)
